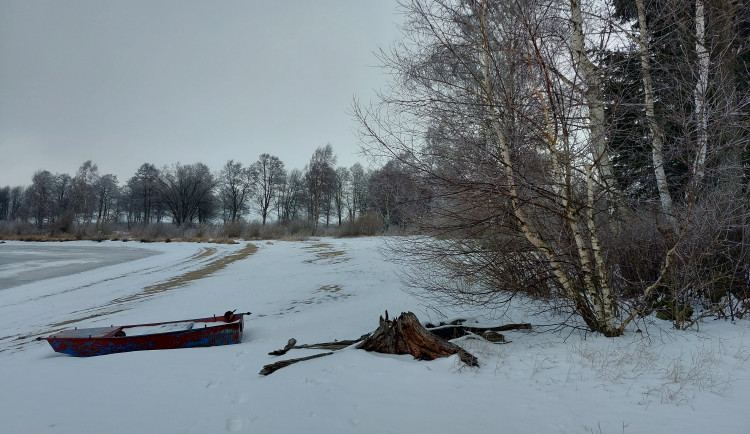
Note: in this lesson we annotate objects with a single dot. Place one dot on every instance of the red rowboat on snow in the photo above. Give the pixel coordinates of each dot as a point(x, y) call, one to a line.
point(98, 341)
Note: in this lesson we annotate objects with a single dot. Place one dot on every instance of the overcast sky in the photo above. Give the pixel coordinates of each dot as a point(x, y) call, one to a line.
point(123, 83)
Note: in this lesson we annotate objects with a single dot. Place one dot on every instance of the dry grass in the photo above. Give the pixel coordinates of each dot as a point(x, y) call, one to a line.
point(193, 275)
point(329, 288)
point(325, 251)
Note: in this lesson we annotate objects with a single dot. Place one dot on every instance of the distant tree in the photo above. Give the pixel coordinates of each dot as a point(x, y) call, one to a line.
point(320, 179)
point(107, 197)
point(144, 201)
point(341, 192)
point(84, 191)
point(4, 203)
point(208, 208)
point(235, 185)
point(268, 177)
point(185, 189)
point(41, 192)
point(359, 193)
point(291, 198)
point(397, 194)
point(62, 197)
point(18, 208)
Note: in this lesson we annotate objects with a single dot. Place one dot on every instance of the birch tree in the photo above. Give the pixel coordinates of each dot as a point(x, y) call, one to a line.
point(657, 136)
point(519, 172)
point(701, 92)
point(500, 108)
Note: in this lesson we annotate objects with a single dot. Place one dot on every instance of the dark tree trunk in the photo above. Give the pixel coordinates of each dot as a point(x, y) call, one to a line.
point(454, 331)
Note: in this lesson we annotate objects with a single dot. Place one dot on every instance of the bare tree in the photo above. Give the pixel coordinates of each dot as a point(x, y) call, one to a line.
point(107, 199)
point(657, 135)
point(84, 191)
point(320, 178)
point(268, 176)
point(396, 194)
point(500, 109)
point(144, 202)
point(185, 189)
point(341, 192)
point(42, 185)
point(291, 196)
point(17, 201)
point(235, 187)
point(358, 194)
point(5, 203)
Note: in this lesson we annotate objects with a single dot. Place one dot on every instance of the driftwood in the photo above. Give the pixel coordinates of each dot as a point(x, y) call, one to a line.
point(289, 346)
point(405, 335)
point(292, 344)
point(454, 331)
point(335, 345)
point(273, 367)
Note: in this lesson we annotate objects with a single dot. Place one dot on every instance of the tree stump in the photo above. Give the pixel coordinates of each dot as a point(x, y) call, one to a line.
point(405, 335)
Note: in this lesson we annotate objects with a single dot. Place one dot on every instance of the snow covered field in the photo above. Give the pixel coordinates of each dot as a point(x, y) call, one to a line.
point(321, 290)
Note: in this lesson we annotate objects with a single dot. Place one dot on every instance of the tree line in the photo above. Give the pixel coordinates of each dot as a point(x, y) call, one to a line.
point(186, 195)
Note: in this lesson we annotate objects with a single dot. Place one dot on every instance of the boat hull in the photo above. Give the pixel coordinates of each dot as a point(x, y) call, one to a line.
point(204, 332)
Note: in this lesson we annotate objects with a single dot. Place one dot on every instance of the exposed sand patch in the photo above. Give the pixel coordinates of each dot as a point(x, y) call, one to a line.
point(326, 252)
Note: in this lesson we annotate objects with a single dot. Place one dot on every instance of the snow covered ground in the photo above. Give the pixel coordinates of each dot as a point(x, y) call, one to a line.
point(321, 290)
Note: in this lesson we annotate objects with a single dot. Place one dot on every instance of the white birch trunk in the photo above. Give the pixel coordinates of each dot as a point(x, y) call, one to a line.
point(656, 133)
point(592, 94)
point(701, 89)
point(596, 308)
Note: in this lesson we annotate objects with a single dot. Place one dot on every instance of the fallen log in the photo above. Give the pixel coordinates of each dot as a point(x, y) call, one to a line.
point(405, 335)
point(456, 331)
point(273, 367)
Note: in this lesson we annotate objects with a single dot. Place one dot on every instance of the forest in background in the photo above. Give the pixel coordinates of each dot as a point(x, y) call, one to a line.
point(189, 201)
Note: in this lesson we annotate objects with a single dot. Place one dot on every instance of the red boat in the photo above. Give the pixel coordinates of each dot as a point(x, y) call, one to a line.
point(98, 341)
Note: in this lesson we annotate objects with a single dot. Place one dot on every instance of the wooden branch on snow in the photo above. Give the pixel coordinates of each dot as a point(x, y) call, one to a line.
point(289, 345)
point(335, 345)
point(273, 367)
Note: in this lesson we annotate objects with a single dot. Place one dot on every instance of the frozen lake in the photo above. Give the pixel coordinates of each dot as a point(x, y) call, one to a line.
point(22, 262)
